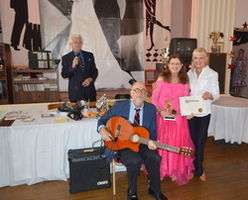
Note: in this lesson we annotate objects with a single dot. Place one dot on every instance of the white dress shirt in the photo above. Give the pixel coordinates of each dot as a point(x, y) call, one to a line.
point(207, 82)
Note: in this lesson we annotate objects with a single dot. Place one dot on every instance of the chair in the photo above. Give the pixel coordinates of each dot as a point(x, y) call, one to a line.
point(115, 162)
point(122, 96)
point(53, 106)
point(93, 104)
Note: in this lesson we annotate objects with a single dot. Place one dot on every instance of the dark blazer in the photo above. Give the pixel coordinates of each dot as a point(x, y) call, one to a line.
point(122, 109)
point(76, 76)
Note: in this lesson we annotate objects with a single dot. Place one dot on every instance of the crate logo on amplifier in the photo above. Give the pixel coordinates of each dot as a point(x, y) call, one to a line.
point(102, 182)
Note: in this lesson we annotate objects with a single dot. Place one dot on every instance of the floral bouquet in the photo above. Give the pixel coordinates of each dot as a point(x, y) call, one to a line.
point(215, 36)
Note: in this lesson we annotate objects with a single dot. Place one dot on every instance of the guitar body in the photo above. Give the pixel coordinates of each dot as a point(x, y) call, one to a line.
point(126, 130)
point(126, 135)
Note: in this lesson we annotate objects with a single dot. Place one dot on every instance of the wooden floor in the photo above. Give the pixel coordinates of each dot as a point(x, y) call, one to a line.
point(227, 178)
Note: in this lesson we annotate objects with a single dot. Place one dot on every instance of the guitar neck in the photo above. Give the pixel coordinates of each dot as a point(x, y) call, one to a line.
point(160, 145)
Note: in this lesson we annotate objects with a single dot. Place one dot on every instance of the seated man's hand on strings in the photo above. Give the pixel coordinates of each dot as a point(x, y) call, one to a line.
point(105, 135)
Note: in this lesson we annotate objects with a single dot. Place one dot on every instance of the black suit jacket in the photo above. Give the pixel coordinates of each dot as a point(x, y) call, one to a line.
point(76, 76)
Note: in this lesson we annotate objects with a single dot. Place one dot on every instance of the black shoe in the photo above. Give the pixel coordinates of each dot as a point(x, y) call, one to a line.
point(131, 196)
point(158, 196)
point(15, 47)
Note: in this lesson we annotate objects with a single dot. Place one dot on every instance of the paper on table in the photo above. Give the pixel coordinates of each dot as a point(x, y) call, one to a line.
point(192, 104)
point(47, 115)
point(23, 115)
point(28, 120)
point(12, 115)
point(60, 120)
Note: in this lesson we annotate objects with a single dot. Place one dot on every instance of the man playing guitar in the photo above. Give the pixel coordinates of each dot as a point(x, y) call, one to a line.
point(141, 113)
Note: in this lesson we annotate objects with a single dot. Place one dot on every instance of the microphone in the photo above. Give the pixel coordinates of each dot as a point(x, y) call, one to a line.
point(78, 56)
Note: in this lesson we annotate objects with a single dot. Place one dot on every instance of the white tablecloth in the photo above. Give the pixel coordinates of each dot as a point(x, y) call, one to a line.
point(229, 120)
point(32, 152)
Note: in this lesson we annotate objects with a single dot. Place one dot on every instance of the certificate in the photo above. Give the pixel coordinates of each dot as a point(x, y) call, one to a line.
point(192, 104)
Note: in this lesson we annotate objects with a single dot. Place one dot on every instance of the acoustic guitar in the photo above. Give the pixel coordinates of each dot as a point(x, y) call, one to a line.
point(126, 135)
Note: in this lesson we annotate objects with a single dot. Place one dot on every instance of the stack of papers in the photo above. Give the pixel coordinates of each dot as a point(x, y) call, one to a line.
point(23, 115)
point(12, 115)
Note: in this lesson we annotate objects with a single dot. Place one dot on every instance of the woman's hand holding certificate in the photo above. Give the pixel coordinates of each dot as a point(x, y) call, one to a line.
point(192, 104)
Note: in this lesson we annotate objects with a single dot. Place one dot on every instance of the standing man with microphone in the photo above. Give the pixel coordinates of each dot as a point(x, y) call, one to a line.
point(79, 66)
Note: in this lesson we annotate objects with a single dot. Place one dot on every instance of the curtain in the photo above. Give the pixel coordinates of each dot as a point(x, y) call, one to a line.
point(218, 16)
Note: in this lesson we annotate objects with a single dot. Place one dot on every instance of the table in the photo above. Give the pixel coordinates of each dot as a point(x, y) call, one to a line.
point(31, 152)
point(229, 120)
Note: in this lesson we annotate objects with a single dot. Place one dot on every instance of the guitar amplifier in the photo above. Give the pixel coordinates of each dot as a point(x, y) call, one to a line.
point(89, 169)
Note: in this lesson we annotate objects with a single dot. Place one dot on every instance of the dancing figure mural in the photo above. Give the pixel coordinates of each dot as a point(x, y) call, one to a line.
point(151, 20)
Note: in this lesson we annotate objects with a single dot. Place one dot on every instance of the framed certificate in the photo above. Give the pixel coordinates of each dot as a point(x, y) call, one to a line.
point(192, 104)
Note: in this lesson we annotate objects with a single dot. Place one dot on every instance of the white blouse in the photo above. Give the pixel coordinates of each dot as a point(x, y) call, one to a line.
point(207, 82)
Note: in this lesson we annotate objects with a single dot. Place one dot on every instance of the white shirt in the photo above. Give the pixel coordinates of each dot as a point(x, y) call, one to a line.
point(207, 82)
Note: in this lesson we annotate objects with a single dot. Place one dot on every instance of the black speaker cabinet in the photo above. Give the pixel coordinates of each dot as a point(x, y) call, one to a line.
point(159, 68)
point(88, 169)
point(217, 62)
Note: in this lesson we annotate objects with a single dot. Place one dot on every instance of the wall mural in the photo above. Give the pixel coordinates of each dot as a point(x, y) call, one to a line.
point(126, 36)
point(32, 37)
point(156, 13)
point(114, 26)
point(151, 20)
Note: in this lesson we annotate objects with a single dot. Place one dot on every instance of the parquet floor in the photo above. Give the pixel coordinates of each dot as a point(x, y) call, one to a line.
point(227, 179)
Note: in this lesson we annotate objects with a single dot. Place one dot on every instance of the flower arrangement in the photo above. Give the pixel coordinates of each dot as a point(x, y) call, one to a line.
point(215, 36)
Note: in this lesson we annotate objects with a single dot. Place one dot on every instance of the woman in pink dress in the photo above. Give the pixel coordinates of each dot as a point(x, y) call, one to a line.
point(173, 83)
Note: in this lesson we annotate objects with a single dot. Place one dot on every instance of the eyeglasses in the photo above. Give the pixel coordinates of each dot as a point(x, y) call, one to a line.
point(76, 42)
point(137, 91)
point(177, 64)
point(195, 58)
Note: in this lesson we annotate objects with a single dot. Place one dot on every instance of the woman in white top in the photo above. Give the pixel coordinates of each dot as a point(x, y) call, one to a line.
point(203, 81)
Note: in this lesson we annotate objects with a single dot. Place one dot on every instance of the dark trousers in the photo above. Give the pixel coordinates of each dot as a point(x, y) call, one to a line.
point(19, 23)
point(198, 127)
point(133, 160)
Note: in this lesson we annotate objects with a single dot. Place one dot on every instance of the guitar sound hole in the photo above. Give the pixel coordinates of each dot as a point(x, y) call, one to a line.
point(135, 138)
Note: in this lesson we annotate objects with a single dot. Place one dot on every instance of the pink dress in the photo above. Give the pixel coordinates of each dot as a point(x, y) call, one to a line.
point(174, 133)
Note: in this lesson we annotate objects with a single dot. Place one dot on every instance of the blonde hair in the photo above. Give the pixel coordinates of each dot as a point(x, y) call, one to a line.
point(202, 52)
